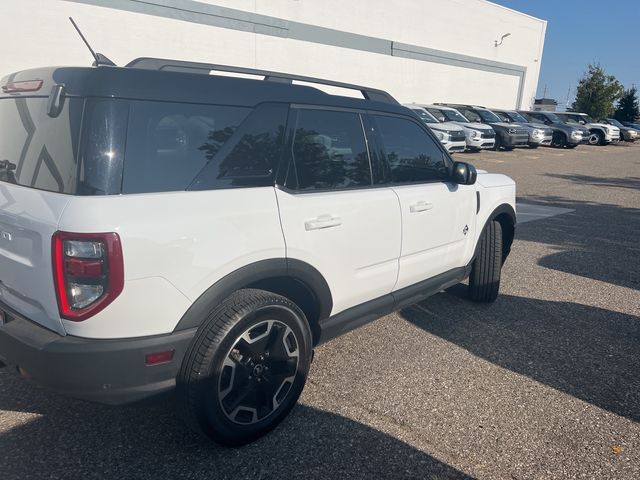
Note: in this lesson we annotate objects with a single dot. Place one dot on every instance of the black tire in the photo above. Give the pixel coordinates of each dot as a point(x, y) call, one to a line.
point(559, 140)
point(596, 138)
point(508, 149)
point(484, 281)
point(534, 145)
point(572, 146)
point(221, 363)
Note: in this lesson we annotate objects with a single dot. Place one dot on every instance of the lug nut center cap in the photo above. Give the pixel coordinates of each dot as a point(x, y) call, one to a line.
point(258, 370)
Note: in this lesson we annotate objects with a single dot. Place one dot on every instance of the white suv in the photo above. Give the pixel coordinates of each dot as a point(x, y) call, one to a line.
point(162, 227)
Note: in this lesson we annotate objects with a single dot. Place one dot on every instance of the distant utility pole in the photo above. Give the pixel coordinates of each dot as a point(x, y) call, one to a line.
point(544, 94)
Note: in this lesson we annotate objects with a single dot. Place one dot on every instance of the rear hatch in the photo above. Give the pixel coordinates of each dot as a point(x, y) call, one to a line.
point(38, 169)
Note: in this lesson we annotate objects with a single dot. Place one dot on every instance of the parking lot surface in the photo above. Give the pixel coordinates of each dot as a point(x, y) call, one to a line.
point(542, 384)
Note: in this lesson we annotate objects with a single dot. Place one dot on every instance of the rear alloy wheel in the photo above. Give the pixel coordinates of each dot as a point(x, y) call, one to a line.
point(484, 280)
point(246, 368)
point(596, 138)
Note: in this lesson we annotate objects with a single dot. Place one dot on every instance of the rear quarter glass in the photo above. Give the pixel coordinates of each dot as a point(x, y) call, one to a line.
point(37, 150)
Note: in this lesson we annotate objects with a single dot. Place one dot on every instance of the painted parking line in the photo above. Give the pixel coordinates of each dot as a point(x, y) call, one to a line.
point(527, 212)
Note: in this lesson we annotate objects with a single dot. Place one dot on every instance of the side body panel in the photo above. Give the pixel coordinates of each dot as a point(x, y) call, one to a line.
point(175, 245)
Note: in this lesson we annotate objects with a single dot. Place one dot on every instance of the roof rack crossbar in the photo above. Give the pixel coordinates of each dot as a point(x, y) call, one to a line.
point(204, 68)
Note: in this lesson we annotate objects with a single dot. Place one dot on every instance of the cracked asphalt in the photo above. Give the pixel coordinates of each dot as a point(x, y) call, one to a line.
point(542, 384)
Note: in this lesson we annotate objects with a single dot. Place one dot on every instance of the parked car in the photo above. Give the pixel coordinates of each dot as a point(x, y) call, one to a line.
point(451, 135)
point(600, 133)
point(478, 136)
point(628, 134)
point(539, 134)
point(564, 135)
point(204, 233)
point(634, 125)
point(508, 136)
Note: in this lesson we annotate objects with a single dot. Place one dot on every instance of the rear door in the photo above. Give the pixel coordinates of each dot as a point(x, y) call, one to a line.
point(438, 217)
point(38, 155)
point(334, 215)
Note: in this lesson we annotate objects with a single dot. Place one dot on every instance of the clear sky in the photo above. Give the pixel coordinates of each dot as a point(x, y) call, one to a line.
point(581, 32)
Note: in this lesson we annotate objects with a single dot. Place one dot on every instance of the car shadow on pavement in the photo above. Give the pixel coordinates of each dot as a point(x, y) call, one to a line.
point(586, 352)
point(596, 240)
point(626, 182)
point(68, 439)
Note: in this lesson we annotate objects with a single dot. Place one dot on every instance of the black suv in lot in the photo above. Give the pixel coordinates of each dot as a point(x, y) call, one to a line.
point(508, 136)
point(564, 135)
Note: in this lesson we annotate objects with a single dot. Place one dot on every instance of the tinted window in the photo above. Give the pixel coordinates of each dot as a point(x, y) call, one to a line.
point(535, 116)
point(105, 130)
point(250, 156)
point(37, 150)
point(425, 116)
point(412, 155)
point(168, 144)
point(503, 116)
point(329, 151)
point(471, 115)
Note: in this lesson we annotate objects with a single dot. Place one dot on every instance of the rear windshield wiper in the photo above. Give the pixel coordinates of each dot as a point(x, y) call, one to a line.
point(7, 171)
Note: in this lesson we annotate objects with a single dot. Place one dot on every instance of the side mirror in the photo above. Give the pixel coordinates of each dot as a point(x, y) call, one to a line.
point(464, 173)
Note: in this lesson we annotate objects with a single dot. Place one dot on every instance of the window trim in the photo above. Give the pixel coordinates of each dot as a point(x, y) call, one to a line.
point(285, 168)
point(445, 155)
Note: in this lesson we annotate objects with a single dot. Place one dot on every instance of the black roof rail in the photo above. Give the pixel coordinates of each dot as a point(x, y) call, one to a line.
point(147, 63)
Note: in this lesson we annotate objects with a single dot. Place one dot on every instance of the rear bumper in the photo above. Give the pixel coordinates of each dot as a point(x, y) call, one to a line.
point(105, 371)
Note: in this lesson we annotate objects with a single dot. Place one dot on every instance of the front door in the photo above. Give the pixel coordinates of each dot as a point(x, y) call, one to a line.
point(438, 216)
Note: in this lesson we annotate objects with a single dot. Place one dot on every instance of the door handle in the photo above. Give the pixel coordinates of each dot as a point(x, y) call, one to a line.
point(323, 221)
point(421, 206)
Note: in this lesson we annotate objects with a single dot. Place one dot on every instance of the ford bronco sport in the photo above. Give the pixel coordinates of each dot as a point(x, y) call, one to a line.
point(162, 228)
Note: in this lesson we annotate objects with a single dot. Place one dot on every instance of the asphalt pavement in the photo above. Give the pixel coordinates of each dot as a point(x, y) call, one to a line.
point(542, 384)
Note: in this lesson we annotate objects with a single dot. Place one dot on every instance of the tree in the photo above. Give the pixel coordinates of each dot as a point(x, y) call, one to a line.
point(596, 93)
point(628, 109)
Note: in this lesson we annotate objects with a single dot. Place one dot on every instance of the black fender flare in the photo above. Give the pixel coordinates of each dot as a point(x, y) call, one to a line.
point(243, 277)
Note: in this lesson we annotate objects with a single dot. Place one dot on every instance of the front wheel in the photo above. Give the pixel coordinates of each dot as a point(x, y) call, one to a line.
point(596, 138)
point(484, 280)
point(559, 140)
point(246, 368)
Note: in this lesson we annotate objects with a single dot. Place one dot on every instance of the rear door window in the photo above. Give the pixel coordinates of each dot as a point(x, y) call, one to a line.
point(37, 150)
point(329, 151)
point(412, 155)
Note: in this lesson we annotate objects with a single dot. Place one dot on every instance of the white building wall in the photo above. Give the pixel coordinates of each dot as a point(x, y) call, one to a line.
point(418, 50)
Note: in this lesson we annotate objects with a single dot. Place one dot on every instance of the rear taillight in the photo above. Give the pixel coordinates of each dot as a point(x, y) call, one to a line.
point(88, 272)
point(23, 86)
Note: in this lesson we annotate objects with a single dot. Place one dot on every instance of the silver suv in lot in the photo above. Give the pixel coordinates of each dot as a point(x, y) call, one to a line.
point(539, 134)
point(564, 135)
point(600, 133)
point(478, 135)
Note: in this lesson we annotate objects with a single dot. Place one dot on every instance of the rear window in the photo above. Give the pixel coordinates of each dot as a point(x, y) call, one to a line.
point(168, 144)
point(37, 150)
